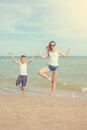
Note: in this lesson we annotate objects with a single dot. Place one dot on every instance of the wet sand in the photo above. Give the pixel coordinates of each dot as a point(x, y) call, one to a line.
point(42, 113)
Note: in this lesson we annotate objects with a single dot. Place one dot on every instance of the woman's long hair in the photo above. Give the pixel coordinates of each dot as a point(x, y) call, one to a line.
point(49, 46)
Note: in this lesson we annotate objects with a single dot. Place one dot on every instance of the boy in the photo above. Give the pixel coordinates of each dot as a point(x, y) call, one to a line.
point(22, 78)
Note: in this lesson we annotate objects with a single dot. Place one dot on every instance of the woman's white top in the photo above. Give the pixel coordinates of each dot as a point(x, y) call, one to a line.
point(23, 69)
point(53, 58)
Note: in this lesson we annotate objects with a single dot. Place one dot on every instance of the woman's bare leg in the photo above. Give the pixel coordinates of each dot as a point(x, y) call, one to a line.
point(54, 75)
point(42, 73)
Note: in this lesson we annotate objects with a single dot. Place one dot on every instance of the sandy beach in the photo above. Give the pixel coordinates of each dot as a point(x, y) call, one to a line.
point(42, 113)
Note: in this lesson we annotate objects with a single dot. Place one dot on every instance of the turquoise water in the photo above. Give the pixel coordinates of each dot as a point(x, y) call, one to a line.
point(72, 71)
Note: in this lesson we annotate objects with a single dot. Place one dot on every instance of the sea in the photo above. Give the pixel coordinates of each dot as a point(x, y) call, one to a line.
point(72, 76)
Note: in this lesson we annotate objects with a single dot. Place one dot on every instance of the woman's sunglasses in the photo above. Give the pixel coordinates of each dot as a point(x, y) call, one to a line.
point(53, 45)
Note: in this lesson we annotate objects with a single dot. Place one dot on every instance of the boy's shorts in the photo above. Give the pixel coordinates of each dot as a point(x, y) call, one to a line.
point(21, 80)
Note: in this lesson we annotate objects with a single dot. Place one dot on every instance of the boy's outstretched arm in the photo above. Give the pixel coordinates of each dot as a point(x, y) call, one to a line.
point(31, 60)
point(13, 59)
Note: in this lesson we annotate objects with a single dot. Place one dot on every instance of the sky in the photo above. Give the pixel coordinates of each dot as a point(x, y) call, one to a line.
point(27, 26)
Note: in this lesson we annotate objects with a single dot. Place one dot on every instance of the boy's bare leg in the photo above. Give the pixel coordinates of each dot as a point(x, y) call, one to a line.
point(23, 91)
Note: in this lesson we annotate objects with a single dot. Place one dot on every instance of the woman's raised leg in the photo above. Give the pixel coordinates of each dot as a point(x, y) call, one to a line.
point(43, 71)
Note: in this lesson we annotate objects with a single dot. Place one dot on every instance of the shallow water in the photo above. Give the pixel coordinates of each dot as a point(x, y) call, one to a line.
point(72, 72)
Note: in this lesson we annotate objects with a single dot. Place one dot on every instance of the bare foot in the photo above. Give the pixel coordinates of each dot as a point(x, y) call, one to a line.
point(49, 79)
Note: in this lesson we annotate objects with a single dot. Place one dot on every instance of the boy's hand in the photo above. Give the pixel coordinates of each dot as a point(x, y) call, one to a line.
point(70, 46)
point(10, 53)
point(13, 59)
point(39, 52)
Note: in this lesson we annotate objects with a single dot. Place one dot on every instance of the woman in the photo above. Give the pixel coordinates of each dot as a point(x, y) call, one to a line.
point(53, 65)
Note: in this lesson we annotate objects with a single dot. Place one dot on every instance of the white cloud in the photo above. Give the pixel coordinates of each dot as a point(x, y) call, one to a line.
point(65, 18)
point(11, 15)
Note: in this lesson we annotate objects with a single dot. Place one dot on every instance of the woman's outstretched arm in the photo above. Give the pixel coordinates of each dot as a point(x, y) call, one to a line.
point(64, 54)
point(43, 56)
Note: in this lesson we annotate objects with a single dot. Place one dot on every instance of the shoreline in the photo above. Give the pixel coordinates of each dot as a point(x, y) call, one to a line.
point(45, 92)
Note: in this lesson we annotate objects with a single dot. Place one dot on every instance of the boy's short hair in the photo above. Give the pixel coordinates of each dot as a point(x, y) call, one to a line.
point(23, 56)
